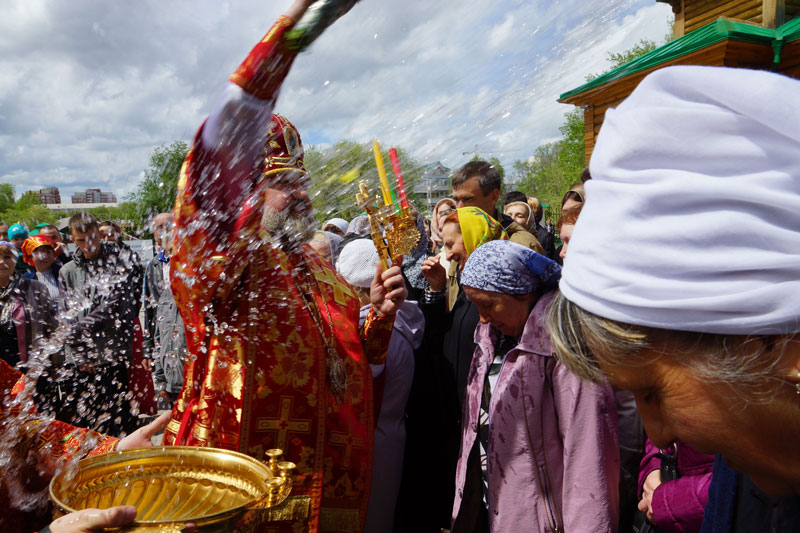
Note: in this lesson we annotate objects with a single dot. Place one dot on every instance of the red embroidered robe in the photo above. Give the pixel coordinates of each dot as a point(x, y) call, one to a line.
point(39, 446)
point(256, 378)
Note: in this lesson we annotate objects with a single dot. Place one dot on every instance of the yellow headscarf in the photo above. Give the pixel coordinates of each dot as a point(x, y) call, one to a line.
point(478, 228)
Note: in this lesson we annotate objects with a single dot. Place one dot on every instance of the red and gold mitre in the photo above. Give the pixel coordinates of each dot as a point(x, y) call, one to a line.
point(32, 243)
point(283, 150)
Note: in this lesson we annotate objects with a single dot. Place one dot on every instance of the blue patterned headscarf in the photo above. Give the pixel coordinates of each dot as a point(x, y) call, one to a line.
point(509, 268)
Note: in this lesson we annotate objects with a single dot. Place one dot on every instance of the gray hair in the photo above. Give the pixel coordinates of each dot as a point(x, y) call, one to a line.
point(579, 337)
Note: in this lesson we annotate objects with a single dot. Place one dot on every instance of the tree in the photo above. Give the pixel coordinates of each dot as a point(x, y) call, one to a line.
point(639, 49)
point(6, 196)
point(28, 209)
point(555, 166)
point(336, 172)
point(157, 191)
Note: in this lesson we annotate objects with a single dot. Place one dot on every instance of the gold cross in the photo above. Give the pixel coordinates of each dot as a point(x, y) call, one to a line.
point(284, 424)
point(339, 288)
point(347, 440)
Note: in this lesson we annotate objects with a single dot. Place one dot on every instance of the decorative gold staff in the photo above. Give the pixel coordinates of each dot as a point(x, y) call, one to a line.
point(393, 226)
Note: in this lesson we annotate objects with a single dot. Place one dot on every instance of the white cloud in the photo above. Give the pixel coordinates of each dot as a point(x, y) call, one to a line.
point(89, 89)
point(500, 34)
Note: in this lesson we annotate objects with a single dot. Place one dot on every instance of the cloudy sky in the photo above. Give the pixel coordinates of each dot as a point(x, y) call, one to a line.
point(88, 88)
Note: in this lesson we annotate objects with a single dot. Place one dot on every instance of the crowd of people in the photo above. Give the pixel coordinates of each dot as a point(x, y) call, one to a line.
point(633, 367)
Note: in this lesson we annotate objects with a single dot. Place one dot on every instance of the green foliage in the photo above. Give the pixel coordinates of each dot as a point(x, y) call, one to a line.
point(336, 172)
point(6, 197)
point(639, 49)
point(156, 192)
point(27, 209)
point(555, 166)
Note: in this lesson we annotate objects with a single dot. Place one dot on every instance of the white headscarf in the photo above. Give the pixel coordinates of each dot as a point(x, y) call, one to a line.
point(693, 213)
point(340, 223)
point(357, 262)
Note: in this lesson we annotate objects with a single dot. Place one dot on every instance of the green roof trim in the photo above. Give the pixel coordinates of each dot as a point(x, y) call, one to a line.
point(711, 33)
point(790, 31)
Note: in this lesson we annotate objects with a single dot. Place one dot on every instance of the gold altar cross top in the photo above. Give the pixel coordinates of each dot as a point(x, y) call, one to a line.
point(284, 424)
point(348, 440)
point(339, 288)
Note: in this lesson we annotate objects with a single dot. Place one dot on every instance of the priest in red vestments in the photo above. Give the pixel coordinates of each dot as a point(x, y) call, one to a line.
point(277, 358)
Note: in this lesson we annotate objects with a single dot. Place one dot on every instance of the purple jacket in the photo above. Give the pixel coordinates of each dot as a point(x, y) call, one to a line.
point(678, 505)
point(390, 429)
point(553, 458)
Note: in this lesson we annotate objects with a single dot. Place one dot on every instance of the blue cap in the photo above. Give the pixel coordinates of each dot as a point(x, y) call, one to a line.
point(17, 230)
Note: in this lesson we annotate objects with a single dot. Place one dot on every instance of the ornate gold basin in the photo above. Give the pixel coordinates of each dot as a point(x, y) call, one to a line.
point(218, 490)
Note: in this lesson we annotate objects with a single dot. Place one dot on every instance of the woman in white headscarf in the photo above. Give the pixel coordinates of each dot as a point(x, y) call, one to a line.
point(701, 321)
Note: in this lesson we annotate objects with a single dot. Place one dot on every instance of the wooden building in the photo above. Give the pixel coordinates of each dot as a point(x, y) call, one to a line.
point(758, 34)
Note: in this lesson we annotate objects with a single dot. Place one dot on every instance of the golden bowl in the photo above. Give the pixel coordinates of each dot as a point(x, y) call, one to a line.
point(218, 490)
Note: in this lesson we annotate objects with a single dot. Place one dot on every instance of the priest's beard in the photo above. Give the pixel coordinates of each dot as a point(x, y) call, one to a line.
point(289, 232)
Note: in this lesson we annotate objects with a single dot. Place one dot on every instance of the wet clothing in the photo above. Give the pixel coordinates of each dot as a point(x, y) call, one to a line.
point(27, 317)
point(169, 337)
point(156, 279)
point(24, 477)
point(553, 452)
point(165, 337)
point(104, 295)
point(51, 280)
point(278, 359)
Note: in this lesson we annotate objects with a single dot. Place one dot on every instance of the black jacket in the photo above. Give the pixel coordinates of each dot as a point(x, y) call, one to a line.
point(434, 411)
point(104, 295)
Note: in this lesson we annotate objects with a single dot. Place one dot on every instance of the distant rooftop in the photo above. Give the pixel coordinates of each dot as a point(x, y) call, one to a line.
point(80, 207)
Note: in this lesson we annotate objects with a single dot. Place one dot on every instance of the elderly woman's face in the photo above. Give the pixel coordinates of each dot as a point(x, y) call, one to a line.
point(714, 418)
point(454, 244)
point(441, 214)
point(506, 312)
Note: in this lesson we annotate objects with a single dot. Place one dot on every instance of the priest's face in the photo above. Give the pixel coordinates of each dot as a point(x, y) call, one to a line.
point(287, 210)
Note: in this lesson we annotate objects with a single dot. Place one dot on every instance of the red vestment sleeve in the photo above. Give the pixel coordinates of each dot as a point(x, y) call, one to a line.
point(49, 438)
point(220, 193)
point(375, 334)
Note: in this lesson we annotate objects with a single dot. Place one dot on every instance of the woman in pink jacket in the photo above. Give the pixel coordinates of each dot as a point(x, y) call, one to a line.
point(675, 506)
point(539, 445)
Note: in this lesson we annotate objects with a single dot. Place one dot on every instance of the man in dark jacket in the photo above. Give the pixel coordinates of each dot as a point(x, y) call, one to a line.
point(103, 289)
